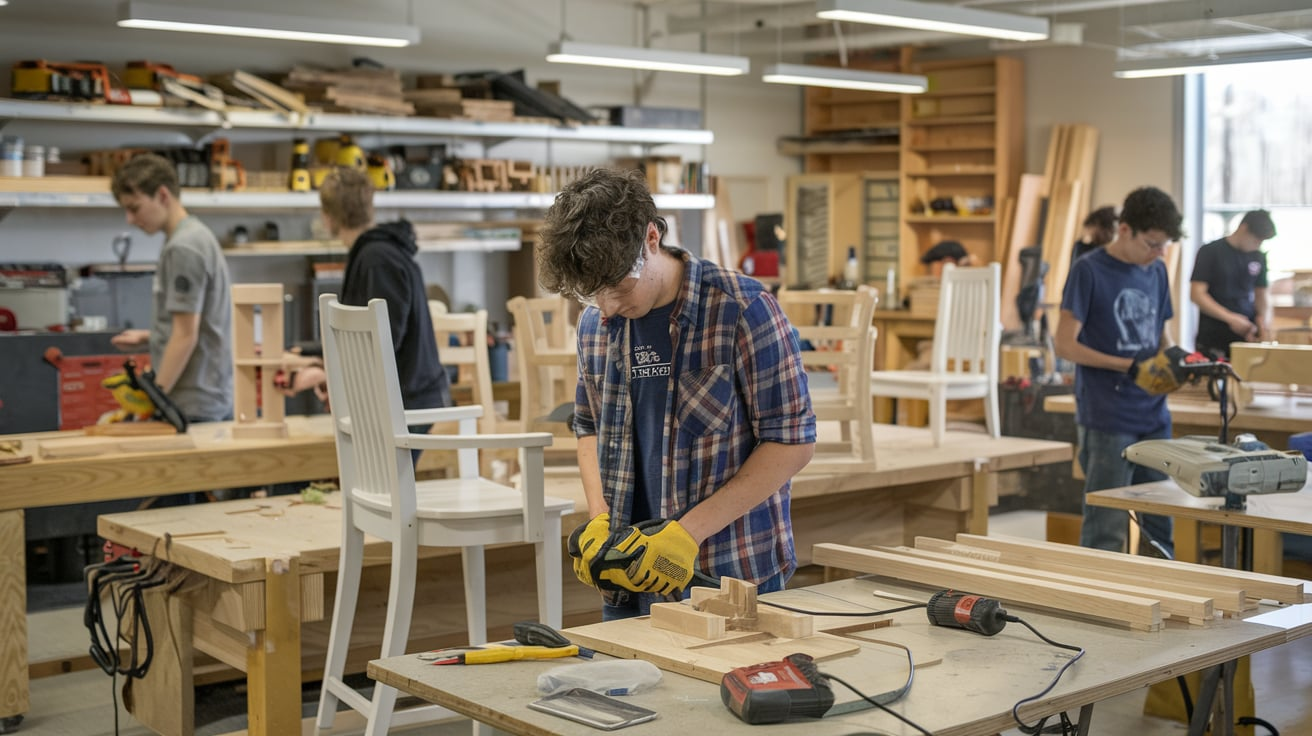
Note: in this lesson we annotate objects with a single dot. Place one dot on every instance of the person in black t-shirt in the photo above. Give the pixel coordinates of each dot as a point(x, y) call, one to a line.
point(1099, 230)
point(1230, 288)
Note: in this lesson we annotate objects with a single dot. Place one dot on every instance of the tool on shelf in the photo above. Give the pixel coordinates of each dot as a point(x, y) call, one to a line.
point(41, 79)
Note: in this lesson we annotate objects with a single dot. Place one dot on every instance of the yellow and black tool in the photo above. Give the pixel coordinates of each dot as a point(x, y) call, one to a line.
point(299, 181)
point(497, 653)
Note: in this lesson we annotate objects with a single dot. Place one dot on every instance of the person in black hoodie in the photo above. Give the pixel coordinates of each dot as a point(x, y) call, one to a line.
point(381, 264)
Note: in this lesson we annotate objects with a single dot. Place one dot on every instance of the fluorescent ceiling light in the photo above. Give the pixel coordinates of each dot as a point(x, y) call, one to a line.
point(827, 76)
point(661, 60)
point(935, 17)
point(157, 17)
point(1198, 64)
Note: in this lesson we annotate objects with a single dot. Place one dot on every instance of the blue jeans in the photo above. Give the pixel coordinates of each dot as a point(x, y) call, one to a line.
point(639, 604)
point(1104, 468)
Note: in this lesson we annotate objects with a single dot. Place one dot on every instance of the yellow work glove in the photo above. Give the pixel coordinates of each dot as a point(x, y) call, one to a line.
point(1162, 372)
point(584, 544)
point(652, 557)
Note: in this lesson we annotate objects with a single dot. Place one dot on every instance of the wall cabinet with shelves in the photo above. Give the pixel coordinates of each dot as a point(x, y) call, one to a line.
point(961, 156)
point(958, 143)
point(829, 213)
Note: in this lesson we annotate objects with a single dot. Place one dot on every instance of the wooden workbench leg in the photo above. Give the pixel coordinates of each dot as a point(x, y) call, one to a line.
point(273, 663)
point(165, 699)
point(1268, 552)
point(983, 495)
point(13, 618)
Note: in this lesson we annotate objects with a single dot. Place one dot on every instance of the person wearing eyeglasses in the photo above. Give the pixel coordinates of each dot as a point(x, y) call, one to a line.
point(1229, 286)
point(1114, 311)
point(692, 408)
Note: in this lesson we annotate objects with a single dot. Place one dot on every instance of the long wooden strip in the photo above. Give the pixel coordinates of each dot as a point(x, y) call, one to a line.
point(1193, 607)
point(1274, 587)
point(1226, 599)
point(1139, 613)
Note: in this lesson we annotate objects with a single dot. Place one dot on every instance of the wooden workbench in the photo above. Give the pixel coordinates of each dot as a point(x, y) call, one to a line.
point(216, 461)
point(1268, 515)
point(914, 489)
point(968, 693)
point(1272, 417)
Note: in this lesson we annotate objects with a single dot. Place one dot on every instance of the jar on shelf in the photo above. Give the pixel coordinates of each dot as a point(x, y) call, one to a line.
point(11, 157)
point(34, 160)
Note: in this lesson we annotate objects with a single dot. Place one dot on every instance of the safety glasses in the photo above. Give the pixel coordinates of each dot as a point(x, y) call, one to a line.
point(635, 273)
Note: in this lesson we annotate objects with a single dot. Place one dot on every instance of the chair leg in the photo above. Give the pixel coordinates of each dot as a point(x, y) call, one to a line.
point(396, 633)
point(548, 558)
point(991, 417)
point(339, 639)
point(938, 414)
point(475, 593)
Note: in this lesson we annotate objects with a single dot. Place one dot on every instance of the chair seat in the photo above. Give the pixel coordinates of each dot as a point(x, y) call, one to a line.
point(917, 384)
point(461, 498)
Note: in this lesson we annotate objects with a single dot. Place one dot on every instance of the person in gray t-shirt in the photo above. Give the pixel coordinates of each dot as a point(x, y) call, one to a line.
point(191, 335)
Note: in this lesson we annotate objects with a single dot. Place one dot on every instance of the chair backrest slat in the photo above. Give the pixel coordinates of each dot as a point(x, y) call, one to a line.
point(364, 394)
point(967, 331)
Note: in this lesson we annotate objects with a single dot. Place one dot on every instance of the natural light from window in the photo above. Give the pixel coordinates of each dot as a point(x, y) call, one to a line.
point(1258, 154)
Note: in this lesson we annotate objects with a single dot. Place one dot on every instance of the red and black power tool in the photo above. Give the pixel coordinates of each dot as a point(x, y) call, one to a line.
point(965, 611)
point(777, 691)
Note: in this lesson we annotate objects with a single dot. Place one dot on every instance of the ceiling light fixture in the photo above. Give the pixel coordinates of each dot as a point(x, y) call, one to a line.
point(1175, 66)
point(133, 14)
point(935, 17)
point(660, 60)
point(827, 76)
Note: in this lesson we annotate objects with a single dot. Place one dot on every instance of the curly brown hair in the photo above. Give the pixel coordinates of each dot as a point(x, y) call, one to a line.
point(594, 231)
point(347, 196)
point(144, 174)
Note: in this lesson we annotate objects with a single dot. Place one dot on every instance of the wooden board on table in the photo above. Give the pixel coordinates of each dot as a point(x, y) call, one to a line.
point(89, 446)
point(130, 429)
point(635, 638)
point(1133, 611)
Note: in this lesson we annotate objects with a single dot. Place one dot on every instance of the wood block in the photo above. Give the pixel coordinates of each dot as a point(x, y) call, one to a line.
point(259, 430)
point(687, 620)
point(90, 446)
point(1279, 589)
point(1136, 612)
point(130, 429)
point(165, 699)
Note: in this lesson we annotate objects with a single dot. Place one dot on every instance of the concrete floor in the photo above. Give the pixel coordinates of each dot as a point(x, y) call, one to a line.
point(79, 704)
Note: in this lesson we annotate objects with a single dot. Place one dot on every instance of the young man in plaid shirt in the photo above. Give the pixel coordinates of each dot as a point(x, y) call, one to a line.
point(692, 408)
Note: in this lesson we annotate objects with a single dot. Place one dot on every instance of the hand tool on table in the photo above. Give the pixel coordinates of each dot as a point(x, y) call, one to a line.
point(535, 640)
point(142, 398)
point(1205, 468)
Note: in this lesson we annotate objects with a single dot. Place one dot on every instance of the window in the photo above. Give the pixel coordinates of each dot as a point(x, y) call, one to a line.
point(1257, 147)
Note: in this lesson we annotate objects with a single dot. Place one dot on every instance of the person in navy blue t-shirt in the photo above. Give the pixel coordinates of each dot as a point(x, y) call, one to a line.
point(1116, 302)
point(1229, 286)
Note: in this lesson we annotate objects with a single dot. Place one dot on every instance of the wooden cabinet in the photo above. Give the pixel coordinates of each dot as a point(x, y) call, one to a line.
point(961, 157)
point(829, 213)
point(929, 167)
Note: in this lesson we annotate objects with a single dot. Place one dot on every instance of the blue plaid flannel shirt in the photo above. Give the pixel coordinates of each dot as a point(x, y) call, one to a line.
point(737, 380)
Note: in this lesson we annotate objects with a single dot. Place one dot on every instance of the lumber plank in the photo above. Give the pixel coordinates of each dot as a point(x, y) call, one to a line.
point(1133, 611)
point(1258, 585)
point(687, 620)
point(1227, 599)
point(1178, 605)
point(1024, 233)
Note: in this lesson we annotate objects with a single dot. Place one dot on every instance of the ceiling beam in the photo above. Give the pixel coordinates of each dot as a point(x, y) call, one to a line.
point(1208, 10)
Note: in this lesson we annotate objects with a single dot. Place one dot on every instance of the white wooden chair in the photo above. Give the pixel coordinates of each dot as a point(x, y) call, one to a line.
point(547, 354)
point(964, 360)
point(836, 324)
point(382, 499)
point(470, 358)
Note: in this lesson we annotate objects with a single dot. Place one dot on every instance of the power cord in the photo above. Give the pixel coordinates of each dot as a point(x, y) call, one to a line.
point(911, 673)
point(1066, 725)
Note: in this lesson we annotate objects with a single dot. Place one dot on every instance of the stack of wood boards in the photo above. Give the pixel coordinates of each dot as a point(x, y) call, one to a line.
point(439, 96)
point(1049, 211)
point(370, 90)
point(1109, 587)
point(1068, 179)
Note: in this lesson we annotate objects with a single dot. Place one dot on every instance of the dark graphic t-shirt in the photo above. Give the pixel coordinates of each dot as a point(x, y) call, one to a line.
point(1231, 276)
point(650, 358)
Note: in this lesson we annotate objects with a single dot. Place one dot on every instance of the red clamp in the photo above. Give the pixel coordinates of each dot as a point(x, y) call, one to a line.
point(114, 551)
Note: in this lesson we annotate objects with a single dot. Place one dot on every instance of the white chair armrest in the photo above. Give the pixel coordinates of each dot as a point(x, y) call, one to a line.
point(444, 414)
point(473, 441)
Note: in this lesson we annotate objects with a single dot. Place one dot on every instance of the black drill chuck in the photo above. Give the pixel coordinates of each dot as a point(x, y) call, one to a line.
point(965, 611)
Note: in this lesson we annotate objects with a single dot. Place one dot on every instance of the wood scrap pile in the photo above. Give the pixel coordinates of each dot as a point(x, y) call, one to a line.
point(372, 90)
point(1109, 587)
point(440, 96)
point(1048, 211)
